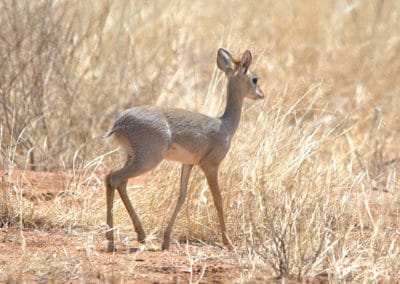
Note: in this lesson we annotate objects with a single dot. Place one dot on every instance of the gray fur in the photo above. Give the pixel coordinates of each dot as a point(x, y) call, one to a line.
point(150, 134)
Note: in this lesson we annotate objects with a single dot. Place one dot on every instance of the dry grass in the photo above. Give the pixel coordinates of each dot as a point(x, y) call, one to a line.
point(311, 185)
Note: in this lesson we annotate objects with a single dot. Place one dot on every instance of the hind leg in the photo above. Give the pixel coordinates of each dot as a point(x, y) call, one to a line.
point(134, 217)
point(110, 192)
point(118, 180)
point(146, 142)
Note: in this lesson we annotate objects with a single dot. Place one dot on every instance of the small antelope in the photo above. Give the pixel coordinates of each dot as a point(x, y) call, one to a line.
point(150, 134)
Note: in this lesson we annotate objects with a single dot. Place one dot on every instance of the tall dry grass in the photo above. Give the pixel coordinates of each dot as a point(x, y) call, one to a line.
point(310, 186)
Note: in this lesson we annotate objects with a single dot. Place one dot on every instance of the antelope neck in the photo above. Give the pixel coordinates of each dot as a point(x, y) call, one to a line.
point(233, 109)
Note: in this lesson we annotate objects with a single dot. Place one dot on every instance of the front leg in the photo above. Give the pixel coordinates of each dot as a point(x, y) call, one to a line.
point(185, 173)
point(211, 172)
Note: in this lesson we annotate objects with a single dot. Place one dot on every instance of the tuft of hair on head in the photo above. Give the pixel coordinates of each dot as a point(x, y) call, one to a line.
point(236, 63)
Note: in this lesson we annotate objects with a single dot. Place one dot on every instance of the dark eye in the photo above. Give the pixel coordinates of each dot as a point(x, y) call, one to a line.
point(254, 80)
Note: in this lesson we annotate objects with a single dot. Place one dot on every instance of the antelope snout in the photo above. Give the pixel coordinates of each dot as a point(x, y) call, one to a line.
point(260, 94)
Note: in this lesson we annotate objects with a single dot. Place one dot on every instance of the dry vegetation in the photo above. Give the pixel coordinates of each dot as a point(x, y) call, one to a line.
point(311, 185)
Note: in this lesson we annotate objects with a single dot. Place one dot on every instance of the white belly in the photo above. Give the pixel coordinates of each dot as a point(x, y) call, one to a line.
point(180, 154)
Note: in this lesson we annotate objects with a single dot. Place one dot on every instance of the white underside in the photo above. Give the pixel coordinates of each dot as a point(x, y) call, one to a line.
point(179, 154)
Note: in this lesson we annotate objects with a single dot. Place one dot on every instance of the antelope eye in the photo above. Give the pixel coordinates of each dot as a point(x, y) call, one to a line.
point(254, 80)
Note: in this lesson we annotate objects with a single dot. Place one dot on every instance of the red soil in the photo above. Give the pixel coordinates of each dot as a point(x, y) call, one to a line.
point(182, 263)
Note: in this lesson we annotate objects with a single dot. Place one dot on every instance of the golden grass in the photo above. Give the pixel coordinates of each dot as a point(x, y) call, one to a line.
point(310, 186)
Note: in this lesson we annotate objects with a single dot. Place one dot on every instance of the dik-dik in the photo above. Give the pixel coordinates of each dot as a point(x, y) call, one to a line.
point(150, 134)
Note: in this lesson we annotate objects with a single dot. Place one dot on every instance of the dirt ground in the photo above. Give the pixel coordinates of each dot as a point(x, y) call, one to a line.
point(180, 264)
point(34, 254)
point(82, 257)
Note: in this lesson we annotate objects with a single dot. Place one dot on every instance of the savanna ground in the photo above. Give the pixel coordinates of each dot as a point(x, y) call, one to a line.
point(310, 186)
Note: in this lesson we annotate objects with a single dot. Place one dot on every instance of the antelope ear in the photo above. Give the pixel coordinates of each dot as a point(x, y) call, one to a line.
point(245, 62)
point(224, 60)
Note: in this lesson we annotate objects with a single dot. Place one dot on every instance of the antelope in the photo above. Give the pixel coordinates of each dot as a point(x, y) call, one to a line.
point(150, 134)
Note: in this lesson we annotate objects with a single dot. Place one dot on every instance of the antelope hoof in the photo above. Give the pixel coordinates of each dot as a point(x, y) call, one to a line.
point(111, 247)
point(227, 243)
point(165, 245)
point(141, 238)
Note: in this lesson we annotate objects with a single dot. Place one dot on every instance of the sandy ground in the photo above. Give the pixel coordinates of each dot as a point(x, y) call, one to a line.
point(41, 256)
